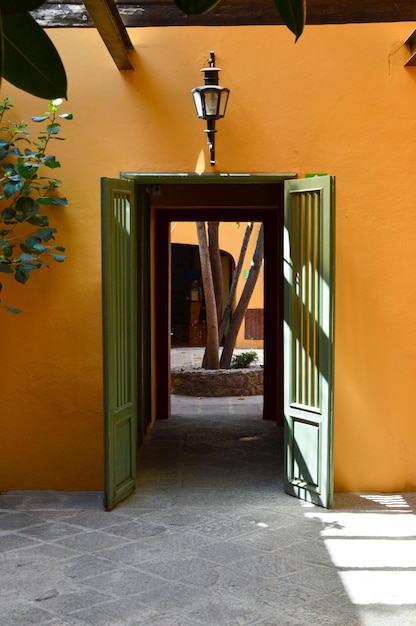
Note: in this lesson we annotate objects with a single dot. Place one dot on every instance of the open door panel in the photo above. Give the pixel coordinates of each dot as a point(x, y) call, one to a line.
point(309, 273)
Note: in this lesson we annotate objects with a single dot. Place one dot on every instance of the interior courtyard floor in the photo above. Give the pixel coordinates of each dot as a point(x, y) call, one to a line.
point(209, 538)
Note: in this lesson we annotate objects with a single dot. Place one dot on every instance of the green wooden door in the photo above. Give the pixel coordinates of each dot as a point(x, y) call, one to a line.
point(309, 229)
point(119, 244)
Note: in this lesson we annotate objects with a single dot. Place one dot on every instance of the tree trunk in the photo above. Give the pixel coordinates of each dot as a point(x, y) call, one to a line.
point(236, 275)
point(242, 306)
point(212, 347)
point(216, 267)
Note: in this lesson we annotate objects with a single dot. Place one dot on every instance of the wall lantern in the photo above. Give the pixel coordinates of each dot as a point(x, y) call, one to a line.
point(210, 102)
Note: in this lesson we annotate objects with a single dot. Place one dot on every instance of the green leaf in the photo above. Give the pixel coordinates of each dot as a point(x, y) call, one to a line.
point(196, 7)
point(13, 177)
point(39, 249)
point(8, 214)
point(26, 169)
point(24, 258)
point(52, 181)
point(12, 309)
point(25, 204)
point(29, 267)
point(58, 257)
point(6, 269)
point(51, 162)
point(31, 61)
point(39, 220)
point(10, 188)
point(21, 277)
point(39, 118)
point(31, 242)
point(53, 200)
point(7, 251)
point(293, 14)
point(16, 150)
point(46, 234)
point(53, 129)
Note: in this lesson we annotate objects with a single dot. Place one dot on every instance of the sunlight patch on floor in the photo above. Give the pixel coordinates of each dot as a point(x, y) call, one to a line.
point(375, 587)
point(374, 550)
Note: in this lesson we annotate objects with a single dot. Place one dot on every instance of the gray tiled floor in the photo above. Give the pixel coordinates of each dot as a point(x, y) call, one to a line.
point(208, 539)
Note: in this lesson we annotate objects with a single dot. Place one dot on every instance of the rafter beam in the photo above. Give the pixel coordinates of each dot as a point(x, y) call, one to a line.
point(136, 13)
point(107, 20)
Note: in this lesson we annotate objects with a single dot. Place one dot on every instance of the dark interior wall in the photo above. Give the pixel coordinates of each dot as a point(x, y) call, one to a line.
point(185, 270)
point(184, 259)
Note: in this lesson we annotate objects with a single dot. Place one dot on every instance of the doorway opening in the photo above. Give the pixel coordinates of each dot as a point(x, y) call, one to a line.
point(224, 203)
point(240, 306)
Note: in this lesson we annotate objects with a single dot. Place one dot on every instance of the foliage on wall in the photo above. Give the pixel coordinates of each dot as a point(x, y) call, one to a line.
point(26, 187)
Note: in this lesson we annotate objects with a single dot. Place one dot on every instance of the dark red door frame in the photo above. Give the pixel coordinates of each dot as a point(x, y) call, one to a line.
point(257, 209)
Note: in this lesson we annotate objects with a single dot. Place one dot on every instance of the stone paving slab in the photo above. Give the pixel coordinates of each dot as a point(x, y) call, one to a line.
point(208, 539)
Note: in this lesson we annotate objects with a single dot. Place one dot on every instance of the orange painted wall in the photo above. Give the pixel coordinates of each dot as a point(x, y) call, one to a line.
point(338, 101)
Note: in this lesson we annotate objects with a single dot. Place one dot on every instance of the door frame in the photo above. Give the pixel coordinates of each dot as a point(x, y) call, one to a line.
point(159, 221)
point(155, 399)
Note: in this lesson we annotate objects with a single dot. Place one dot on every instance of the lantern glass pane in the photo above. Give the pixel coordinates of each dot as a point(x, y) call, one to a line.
point(198, 102)
point(211, 103)
point(223, 102)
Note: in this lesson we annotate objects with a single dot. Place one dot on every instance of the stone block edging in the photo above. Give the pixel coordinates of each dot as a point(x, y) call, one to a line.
point(217, 383)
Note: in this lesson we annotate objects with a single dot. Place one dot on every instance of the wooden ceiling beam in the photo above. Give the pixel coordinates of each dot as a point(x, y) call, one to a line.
point(109, 24)
point(111, 17)
point(136, 13)
point(264, 12)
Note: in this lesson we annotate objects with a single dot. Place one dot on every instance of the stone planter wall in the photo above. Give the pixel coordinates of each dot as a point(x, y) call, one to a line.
point(217, 383)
